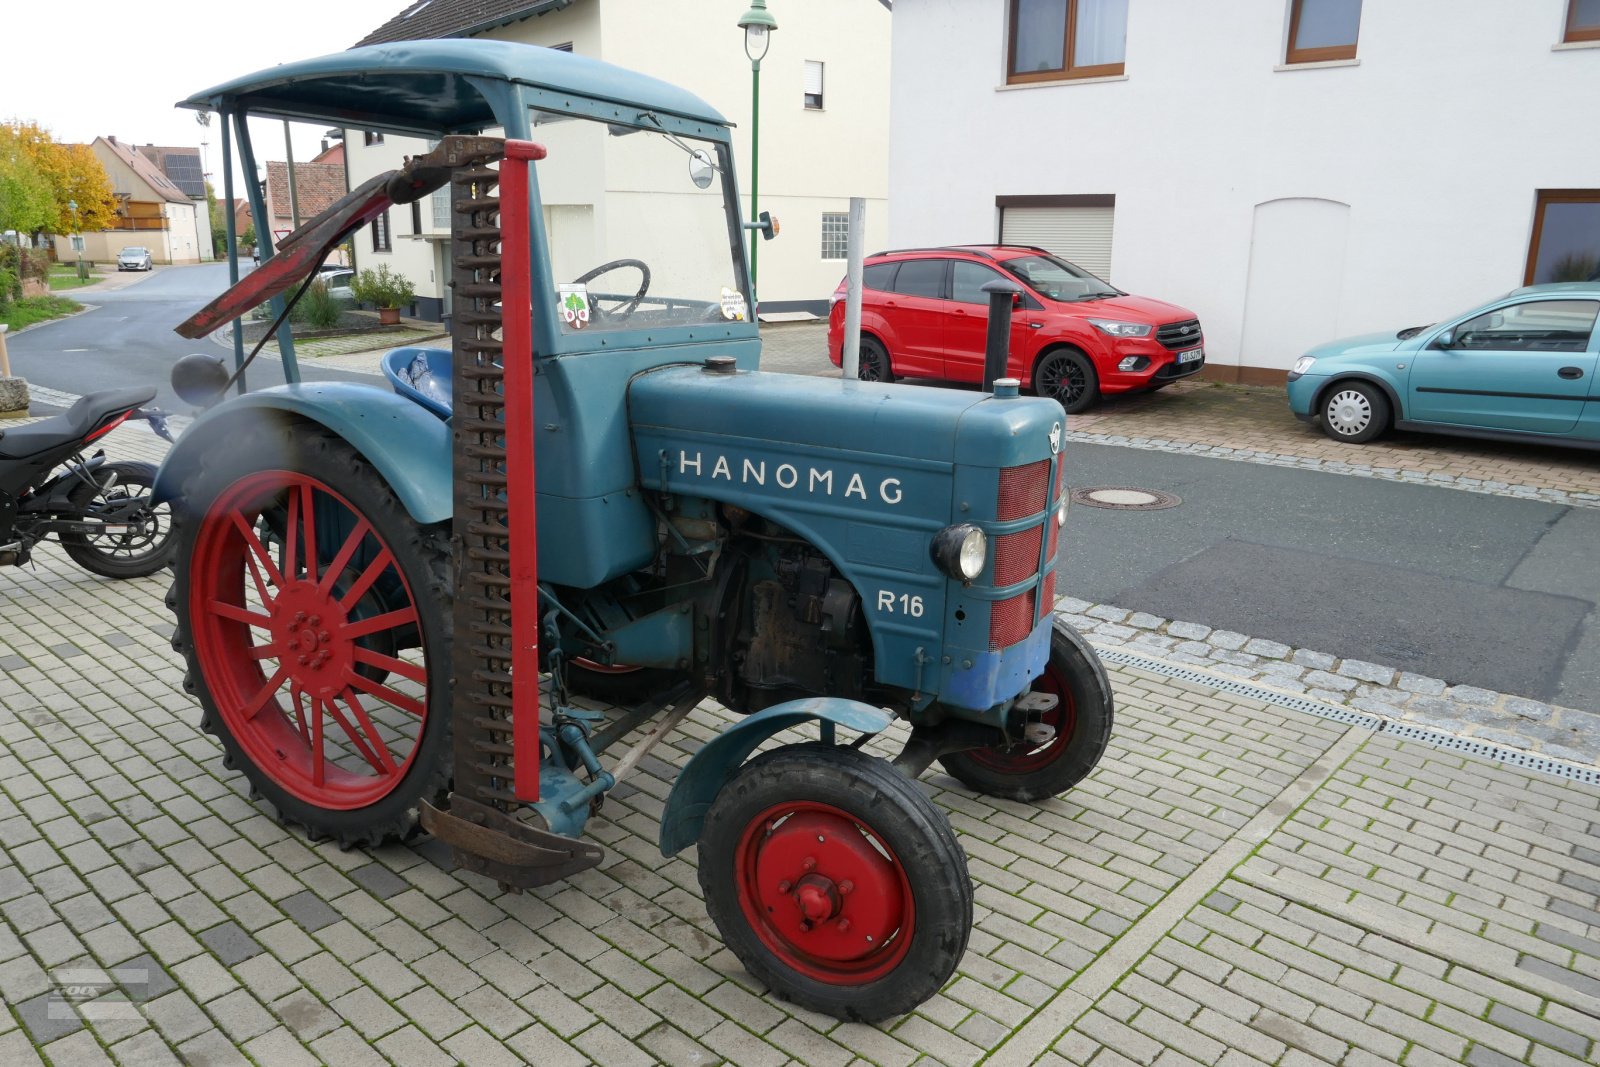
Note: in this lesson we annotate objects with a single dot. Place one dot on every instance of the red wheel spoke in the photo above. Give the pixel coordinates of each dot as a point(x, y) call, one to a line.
point(257, 549)
point(239, 614)
point(365, 738)
point(295, 695)
point(291, 536)
point(253, 706)
point(387, 621)
point(267, 651)
point(254, 566)
point(346, 550)
point(371, 574)
point(414, 671)
point(308, 518)
point(385, 693)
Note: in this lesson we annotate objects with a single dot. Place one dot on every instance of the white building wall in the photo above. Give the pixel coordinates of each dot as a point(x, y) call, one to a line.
point(183, 231)
point(811, 161)
point(1431, 146)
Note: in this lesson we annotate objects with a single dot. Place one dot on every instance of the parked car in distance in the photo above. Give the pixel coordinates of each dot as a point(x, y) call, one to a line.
point(1074, 338)
point(1521, 367)
point(134, 258)
point(337, 282)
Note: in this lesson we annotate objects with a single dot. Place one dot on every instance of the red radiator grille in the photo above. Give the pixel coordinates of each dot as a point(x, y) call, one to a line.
point(1016, 556)
point(1050, 591)
point(1023, 491)
point(1011, 620)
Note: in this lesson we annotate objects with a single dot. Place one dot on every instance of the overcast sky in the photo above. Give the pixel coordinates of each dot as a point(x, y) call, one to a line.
point(90, 68)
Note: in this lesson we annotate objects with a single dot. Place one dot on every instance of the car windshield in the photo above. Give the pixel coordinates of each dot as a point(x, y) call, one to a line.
point(1058, 279)
point(133, 251)
point(638, 226)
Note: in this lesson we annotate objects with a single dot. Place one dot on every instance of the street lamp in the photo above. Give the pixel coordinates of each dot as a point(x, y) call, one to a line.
point(77, 240)
point(757, 25)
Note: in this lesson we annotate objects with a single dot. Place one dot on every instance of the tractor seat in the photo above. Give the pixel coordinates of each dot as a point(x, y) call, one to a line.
point(72, 424)
point(421, 375)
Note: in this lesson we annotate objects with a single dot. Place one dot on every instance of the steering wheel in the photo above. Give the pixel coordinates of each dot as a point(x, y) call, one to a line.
point(621, 311)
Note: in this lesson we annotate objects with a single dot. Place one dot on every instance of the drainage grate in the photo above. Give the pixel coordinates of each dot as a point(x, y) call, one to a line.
point(1240, 688)
point(1124, 498)
point(1500, 754)
point(1388, 727)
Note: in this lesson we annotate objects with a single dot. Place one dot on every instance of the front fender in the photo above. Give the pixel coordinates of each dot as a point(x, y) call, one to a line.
point(708, 769)
point(408, 445)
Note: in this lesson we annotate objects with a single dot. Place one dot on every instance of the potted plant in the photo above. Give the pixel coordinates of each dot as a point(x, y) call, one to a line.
point(384, 290)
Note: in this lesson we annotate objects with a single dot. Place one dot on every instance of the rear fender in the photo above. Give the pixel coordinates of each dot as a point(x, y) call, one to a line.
point(703, 776)
point(408, 445)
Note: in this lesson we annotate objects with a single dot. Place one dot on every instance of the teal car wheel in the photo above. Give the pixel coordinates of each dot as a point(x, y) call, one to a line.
point(1355, 412)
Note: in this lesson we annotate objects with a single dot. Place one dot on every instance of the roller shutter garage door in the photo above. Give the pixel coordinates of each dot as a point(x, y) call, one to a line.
point(1081, 235)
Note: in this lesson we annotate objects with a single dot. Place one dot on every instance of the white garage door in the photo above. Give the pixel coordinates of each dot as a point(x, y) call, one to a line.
point(1081, 235)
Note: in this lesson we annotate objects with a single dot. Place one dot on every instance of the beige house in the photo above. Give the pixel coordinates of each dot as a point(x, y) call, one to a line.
point(824, 123)
point(151, 211)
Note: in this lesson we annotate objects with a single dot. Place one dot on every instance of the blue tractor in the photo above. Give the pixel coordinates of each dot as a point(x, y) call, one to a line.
point(404, 609)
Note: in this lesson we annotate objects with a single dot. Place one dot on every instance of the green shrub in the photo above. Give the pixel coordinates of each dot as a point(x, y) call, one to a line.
point(10, 288)
point(317, 309)
point(382, 288)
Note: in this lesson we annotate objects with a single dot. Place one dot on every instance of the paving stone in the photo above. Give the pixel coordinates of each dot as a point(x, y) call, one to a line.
point(309, 910)
point(1320, 661)
point(1227, 639)
point(379, 880)
point(230, 943)
point(1538, 1030)
point(1189, 631)
point(48, 1017)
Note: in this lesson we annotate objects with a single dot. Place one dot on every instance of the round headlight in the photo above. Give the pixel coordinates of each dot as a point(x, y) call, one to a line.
point(1061, 511)
point(960, 551)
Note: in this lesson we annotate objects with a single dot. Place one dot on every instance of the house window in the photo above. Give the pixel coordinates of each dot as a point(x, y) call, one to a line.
point(416, 216)
point(372, 137)
point(813, 85)
point(1566, 237)
point(380, 233)
point(1583, 20)
point(1323, 30)
point(835, 234)
point(1056, 39)
point(441, 207)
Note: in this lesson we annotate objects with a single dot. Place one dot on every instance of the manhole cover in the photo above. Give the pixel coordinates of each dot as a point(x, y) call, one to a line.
point(1124, 498)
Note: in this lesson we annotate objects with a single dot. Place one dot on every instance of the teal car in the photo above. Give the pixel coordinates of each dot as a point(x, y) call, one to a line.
point(1519, 368)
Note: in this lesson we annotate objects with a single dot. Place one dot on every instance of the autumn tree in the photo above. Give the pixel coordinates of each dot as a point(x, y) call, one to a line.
point(27, 203)
point(71, 172)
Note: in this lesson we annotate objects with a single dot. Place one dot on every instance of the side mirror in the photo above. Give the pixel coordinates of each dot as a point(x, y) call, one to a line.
point(701, 169)
point(1016, 300)
point(1446, 339)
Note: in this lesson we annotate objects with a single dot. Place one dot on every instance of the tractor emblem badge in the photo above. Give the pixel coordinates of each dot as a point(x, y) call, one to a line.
point(575, 306)
point(1055, 438)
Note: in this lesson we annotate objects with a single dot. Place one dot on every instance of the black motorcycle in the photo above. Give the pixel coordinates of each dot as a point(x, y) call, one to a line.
point(98, 509)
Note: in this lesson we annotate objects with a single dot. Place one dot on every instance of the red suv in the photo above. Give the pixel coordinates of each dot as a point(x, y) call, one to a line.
point(924, 314)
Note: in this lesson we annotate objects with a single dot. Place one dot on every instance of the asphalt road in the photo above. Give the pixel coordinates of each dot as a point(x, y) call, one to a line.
point(128, 339)
point(1475, 589)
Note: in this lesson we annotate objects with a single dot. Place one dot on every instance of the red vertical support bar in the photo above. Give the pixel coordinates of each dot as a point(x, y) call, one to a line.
point(516, 335)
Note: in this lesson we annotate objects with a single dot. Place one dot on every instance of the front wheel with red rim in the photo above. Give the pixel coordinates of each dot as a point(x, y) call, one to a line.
point(1081, 722)
point(314, 616)
point(836, 881)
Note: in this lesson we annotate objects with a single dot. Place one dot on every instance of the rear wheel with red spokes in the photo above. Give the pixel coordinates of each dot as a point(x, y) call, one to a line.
point(314, 615)
point(836, 881)
point(1080, 722)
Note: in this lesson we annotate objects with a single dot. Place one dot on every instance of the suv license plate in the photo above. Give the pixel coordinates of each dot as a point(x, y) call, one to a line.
point(1194, 355)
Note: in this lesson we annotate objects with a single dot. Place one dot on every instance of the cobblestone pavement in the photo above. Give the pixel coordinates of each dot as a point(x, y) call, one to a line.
point(1238, 883)
point(1561, 733)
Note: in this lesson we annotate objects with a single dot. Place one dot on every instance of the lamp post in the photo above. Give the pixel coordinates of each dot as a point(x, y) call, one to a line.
point(757, 25)
point(77, 240)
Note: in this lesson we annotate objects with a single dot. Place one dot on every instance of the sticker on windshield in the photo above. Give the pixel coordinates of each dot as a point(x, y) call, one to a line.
point(733, 305)
point(575, 305)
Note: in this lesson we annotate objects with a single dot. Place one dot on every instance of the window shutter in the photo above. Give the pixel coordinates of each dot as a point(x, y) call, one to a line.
point(1081, 235)
point(813, 77)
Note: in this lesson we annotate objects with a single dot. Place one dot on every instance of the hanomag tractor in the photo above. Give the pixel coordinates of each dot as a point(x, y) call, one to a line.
point(596, 491)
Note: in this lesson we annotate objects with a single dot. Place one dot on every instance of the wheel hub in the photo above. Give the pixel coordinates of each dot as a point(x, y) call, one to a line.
point(306, 624)
point(825, 889)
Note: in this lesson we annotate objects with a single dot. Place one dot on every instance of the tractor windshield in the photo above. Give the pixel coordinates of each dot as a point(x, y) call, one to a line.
point(638, 223)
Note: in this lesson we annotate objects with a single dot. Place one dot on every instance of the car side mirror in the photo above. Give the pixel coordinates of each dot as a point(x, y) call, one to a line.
point(1016, 300)
point(1445, 339)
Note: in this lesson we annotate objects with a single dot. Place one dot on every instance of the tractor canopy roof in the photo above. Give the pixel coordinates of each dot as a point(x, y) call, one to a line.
point(427, 86)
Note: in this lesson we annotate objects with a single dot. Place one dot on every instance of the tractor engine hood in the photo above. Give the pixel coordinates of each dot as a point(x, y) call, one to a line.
point(832, 416)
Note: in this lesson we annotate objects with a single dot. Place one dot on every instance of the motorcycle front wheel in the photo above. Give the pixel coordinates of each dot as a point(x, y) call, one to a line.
point(135, 545)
